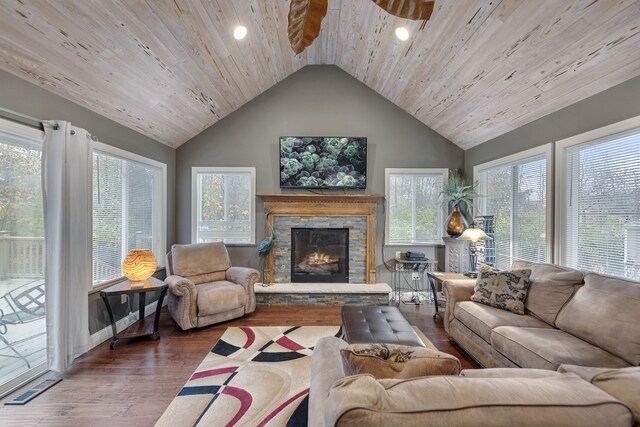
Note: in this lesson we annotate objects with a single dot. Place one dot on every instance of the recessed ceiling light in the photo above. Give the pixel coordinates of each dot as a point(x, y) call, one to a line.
point(239, 32)
point(402, 33)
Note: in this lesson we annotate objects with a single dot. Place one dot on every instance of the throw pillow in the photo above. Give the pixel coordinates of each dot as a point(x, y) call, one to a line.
point(397, 361)
point(503, 289)
point(486, 267)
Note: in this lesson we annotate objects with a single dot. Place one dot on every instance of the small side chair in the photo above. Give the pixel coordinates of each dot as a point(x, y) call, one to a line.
point(204, 288)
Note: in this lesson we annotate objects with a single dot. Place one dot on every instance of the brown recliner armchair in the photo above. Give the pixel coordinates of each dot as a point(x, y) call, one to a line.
point(204, 288)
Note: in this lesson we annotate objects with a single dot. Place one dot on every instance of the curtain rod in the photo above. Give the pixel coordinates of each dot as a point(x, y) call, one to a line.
point(21, 118)
point(32, 121)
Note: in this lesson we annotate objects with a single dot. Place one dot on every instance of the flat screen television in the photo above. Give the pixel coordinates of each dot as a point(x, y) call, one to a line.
point(323, 162)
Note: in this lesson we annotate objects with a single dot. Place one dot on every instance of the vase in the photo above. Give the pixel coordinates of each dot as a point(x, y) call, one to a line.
point(456, 223)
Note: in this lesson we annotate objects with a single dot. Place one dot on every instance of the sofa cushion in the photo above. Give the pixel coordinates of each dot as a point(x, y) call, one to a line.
point(551, 287)
point(326, 368)
point(397, 361)
point(197, 259)
point(546, 348)
point(623, 383)
point(502, 289)
point(606, 313)
point(565, 400)
point(481, 318)
point(481, 351)
point(218, 297)
point(509, 373)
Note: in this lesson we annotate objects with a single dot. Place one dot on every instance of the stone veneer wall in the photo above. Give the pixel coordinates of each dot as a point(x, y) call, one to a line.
point(357, 226)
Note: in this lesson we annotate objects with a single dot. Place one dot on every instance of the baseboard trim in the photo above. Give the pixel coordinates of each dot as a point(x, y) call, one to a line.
point(105, 333)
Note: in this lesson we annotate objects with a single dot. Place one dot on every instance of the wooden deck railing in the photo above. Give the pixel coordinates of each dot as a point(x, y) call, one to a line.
point(103, 272)
point(21, 257)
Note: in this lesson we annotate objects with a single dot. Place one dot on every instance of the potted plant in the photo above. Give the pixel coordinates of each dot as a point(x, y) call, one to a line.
point(458, 195)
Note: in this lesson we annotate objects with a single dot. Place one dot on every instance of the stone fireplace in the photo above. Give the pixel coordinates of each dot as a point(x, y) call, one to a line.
point(354, 214)
point(320, 255)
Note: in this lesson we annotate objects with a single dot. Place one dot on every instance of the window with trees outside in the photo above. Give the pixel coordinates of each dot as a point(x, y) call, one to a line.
point(515, 191)
point(23, 329)
point(414, 212)
point(223, 208)
point(129, 206)
point(599, 207)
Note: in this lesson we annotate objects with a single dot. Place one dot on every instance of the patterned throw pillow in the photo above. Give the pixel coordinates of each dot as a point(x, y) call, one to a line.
point(487, 267)
point(397, 361)
point(503, 289)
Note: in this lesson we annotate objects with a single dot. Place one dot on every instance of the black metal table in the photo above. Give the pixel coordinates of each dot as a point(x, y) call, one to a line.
point(409, 275)
point(436, 279)
point(141, 328)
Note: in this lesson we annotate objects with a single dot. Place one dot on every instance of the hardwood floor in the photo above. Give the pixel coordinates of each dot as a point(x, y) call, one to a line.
point(133, 384)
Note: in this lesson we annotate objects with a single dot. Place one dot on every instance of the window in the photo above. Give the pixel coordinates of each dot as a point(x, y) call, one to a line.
point(23, 329)
point(223, 205)
point(514, 190)
point(129, 206)
point(600, 205)
point(415, 214)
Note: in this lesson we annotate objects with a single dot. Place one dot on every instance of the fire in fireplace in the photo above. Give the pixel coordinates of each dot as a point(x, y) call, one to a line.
point(320, 255)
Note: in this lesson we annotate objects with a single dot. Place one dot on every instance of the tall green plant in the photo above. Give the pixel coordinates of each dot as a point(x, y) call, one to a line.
point(458, 191)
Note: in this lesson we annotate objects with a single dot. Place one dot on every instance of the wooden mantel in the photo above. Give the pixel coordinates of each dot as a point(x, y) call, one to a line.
point(326, 205)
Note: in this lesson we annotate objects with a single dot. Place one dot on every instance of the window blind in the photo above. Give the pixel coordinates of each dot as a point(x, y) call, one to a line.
point(515, 194)
point(415, 213)
point(126, 212)
point(224, 204)
point(602, 205)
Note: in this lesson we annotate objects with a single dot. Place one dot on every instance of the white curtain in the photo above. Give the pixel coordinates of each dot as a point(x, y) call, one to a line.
point(66, 184)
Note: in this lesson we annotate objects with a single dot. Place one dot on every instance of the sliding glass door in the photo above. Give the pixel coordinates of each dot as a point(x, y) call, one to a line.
point(22, 288)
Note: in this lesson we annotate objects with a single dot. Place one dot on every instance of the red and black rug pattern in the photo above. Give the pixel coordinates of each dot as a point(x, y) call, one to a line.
point(253, 376)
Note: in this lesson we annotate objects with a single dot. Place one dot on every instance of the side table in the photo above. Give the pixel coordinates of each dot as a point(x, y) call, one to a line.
point(409, 275)
point(435, 280)
point(141, 328)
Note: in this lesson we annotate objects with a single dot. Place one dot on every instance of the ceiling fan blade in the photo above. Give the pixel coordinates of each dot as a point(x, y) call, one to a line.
point(305, 18)
point(417, 10)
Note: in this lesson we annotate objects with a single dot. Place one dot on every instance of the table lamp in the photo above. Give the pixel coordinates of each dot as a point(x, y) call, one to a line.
point(139, 265)
point(473, 234)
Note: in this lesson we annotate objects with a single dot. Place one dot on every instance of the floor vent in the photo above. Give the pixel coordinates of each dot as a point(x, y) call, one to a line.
point(28, 395)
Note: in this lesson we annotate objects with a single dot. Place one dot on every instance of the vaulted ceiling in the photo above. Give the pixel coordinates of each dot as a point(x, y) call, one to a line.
point(171, 68)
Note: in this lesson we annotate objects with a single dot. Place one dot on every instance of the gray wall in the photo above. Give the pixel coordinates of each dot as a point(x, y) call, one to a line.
point(610, 106)
point(315, 101)
point(26, 98)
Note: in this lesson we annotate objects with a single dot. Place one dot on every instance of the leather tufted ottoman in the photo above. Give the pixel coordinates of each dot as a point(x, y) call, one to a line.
point(377, 324)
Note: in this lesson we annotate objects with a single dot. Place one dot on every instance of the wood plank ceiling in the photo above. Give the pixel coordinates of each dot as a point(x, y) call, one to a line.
point(171, 68)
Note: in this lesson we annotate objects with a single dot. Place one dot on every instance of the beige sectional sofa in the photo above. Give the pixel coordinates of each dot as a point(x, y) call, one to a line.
point(581, 329)
point(571, 317)
point(478, 397)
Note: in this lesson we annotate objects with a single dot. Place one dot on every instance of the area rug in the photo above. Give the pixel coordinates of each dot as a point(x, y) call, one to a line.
point(253, 376)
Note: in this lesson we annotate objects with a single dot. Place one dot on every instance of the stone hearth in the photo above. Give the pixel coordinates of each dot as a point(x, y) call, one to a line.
point(329, 294)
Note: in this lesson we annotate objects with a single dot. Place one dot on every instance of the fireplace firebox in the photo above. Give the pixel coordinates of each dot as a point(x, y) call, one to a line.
point(320, 255)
